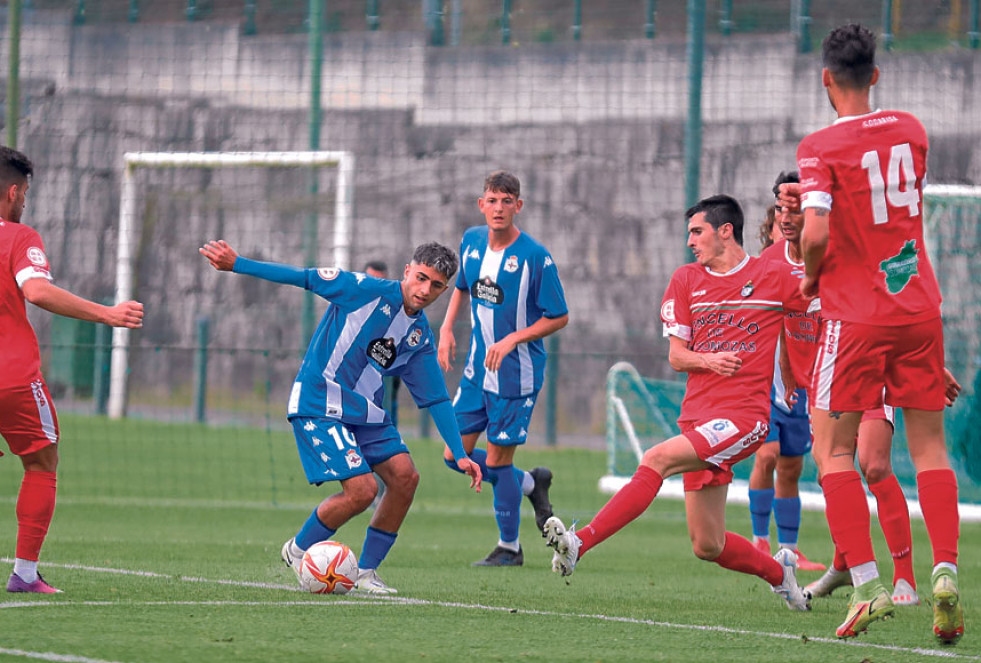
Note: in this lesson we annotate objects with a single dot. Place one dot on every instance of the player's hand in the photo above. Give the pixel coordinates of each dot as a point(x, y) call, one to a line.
point(446, 352)
point(951, 388)
point(497, 352)
point(789, 196)
point(219, 254)
point(725, 364)
point(473, 471)
point(808, 286)
point(125, 314)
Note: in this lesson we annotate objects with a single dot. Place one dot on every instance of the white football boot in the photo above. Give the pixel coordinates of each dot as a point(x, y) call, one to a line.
point(292, 556)
point(566, 545)
point(370, 583)
point(829, 582)
point(789, 589)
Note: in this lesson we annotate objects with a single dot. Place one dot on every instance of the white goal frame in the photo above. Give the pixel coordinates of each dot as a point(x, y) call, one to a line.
point(132, 161)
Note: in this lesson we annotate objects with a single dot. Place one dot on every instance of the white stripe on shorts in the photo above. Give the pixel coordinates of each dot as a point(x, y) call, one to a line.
point(824, 364)
point(44, 412)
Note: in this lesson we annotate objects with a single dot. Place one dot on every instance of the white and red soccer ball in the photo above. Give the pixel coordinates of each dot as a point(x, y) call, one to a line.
point(328, 567)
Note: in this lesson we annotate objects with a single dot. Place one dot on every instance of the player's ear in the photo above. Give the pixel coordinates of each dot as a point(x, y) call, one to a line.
point(10, 194)
point(518, 205)
point(405, 272)
point(825, 77)
point(875, 77)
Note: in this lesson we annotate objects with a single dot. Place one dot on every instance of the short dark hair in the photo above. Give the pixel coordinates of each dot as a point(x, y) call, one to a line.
point(15, 167)
point(720, 209)
point(504, 182)
point(785, 177)
point(437, 256)
point(848, 52)
point(376, 265)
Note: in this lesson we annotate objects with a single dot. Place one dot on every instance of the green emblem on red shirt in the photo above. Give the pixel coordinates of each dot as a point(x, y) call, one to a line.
point(900, 268)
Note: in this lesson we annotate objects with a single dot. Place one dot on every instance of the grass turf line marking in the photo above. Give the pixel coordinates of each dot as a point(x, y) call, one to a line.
point(396, 600)
point(48, 656)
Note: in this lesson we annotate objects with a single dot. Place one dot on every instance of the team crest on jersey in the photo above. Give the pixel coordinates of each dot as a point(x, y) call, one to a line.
point(747, 289)
point(36, 256)
point(485, 290)
point(353, 459)
point(328, 273)
point(414, 337)
point(382, 352)
point(511, 264)
point(667, 311)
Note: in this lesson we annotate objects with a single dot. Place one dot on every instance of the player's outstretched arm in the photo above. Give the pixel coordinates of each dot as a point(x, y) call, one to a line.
point(224, 258)
point(446, 352)
point(46, 295)
point(445, 421)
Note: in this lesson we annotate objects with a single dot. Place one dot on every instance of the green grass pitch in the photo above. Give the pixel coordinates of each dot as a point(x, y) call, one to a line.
point(166, 541)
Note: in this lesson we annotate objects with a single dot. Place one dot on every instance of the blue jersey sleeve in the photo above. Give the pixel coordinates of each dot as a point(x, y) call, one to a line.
point(271, 271)
point(551, 296)
point(424, 378)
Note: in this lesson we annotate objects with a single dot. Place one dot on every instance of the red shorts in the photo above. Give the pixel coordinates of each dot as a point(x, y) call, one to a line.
point(28, 421)
point(855, 362)
point(723, 443)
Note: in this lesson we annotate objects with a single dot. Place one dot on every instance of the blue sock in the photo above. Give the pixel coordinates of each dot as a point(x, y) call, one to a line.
point(760, 505)
point(377, 543)
point(507, 501)
point(786, 511)
point(479, 456)
point(313, 531)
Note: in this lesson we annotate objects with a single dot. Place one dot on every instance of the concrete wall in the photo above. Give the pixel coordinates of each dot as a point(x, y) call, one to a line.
point(594, 131)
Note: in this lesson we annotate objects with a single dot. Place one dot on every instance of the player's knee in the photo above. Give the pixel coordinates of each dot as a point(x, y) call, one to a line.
point(876, 472)
point(361, 493)
point(706, 550)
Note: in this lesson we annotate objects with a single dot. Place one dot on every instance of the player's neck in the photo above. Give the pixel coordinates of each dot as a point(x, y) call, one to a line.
point(850, 104)
point(498, 240)
point(727, 261)
point(794, 251)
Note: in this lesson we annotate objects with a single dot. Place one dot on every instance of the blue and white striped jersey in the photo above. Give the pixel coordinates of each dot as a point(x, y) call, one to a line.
point(364, 335)
point(509, 290)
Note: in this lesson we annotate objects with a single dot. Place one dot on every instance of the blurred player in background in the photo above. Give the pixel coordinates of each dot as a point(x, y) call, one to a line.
point(861, 193)
point(28, 421)
point(789, 439)
point(371, 329)
point(516, 300)
point(769, 231)
point(723, 315)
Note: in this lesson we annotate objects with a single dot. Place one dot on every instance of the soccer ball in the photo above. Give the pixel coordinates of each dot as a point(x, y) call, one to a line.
point(328, 567)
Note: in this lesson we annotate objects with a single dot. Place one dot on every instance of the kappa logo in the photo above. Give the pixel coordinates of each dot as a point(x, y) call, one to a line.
point(353, 459)
point(360, 277)
point(503, 436)
point(474, 253)
point(522, 433)
point(387, 310)
point(328, 273)
point(414, 336)
point(529, 402)
point(667, 311)
point(511, 264)
point(317, 441)
point(36, 256)
point(548, 261)
point(309, 426)
point(324, 457)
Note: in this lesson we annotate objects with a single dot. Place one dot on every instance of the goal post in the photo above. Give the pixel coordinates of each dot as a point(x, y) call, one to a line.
point(128, 231)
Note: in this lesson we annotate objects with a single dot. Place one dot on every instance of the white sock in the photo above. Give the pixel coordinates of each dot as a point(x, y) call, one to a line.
point(513, 546)
point(945, 565)
point(26, 569)
point(527, 484)
point(863, 573)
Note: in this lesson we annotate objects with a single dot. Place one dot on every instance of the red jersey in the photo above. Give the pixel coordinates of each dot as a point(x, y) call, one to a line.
point(869, 171)
point(740, 311)
point(21, 258)
point(802, 328)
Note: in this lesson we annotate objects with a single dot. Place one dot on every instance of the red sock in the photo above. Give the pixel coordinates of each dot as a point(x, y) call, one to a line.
point(848, 516)
point(739, 554)
point(938, 501)
point(629, 502)
point(839, 561)
point(35, 506)
point(894, 518)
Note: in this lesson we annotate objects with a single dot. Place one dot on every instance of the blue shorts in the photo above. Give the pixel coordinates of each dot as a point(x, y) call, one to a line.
point(792, 431)
point(505, 419)
point(333, 451)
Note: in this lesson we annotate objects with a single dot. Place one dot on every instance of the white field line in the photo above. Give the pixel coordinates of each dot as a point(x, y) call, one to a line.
point(334, 602)
point(50, 656)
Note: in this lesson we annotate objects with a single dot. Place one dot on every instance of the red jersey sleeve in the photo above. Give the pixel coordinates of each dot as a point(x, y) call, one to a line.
point(675, 308)
point(816, 180)
point(27, 257)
